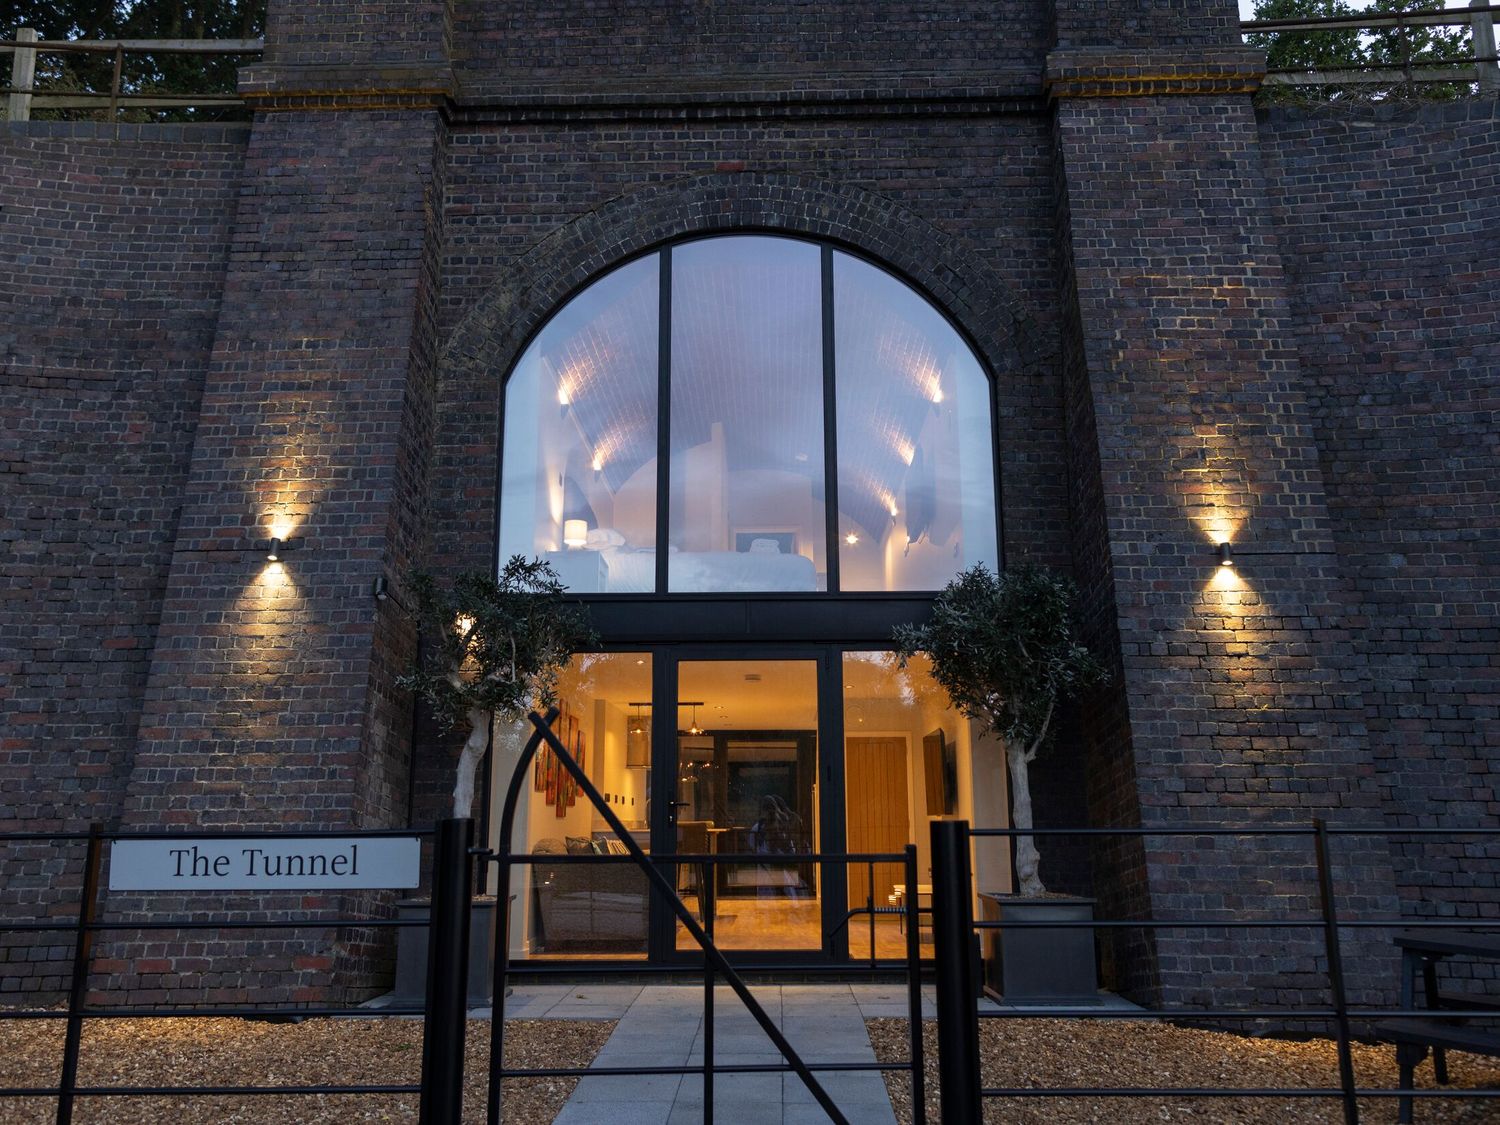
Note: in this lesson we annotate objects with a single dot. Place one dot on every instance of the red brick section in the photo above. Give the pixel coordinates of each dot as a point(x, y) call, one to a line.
point(1394, 315)
point(115, 252)
point(269, 702)
point(1241, 691)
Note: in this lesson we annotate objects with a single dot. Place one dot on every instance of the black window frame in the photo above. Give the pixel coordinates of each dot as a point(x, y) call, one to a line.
point(820, 617)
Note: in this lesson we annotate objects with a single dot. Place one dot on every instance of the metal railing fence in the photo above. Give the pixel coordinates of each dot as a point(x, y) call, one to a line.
point(85, 926)
point(715, 964)
point(955, 930)
point(445, 1001)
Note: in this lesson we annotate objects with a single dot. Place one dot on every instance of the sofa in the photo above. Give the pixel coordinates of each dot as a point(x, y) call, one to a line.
point(581, 908)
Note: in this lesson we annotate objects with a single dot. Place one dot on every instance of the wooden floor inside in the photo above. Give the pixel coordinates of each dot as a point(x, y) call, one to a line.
point(796, 924)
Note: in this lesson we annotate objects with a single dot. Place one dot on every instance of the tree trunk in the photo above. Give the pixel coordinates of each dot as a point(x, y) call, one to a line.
point(468, 761)
point(1027, 858)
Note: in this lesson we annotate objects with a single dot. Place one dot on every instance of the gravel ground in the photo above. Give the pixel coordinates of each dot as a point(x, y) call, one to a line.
point(1099, 1053)
point(243, 1052)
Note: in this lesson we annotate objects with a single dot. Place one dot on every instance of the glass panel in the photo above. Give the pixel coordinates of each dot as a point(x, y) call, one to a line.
point(910, 758)
point(587, 909)
point(916, 460)
point(579, 475)
point(747, 783)
point(747, 417)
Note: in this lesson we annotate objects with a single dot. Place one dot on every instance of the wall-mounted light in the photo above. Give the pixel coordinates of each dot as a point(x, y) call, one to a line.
point(380, 590)
point(851, 539)
point(276, 546)
point(575, 533)
point(1226, 555)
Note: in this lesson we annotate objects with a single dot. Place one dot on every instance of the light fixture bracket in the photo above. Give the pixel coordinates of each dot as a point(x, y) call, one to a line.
point(275, 547)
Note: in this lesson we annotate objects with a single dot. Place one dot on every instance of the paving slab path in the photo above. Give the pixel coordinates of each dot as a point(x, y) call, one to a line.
point(663, 1026)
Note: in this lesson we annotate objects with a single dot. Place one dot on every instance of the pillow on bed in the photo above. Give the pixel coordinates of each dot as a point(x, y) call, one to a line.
point(765, 547)
point(602, 538)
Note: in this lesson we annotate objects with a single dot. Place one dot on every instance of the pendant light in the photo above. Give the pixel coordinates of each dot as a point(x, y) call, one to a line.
point(638, 739)
point(695, 728)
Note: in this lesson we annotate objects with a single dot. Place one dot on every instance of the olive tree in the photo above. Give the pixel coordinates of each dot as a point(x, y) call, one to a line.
point(495, 647)
point(1005, 649)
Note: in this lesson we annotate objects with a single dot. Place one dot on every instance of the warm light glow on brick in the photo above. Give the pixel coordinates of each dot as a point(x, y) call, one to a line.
point(1226, 578)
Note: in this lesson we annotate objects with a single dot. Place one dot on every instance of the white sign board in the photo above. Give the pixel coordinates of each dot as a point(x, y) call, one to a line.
point(265, 864)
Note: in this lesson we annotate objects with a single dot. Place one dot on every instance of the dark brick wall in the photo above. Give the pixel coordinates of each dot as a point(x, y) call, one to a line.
point(1242, 689)
point(667, 46)
point(1146, 23)
point(363, 33)
point(269, 702)
point(1164, 381)
point(1126, 957)
point(115, 253)
point(1390, 229)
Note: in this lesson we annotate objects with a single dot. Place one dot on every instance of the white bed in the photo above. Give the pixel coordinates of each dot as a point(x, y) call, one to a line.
point(628, 571)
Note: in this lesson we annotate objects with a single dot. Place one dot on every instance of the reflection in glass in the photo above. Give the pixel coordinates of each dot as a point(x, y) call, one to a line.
point(916, 463)
point(747, 783)
point(579, 476)
point(587, 909)
point(747, 416)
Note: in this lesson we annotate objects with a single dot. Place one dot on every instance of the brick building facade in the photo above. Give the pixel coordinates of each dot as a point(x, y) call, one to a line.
point(1204, 323)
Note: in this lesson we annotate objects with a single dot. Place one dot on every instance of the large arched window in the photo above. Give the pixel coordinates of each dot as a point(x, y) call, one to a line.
point(749, 413)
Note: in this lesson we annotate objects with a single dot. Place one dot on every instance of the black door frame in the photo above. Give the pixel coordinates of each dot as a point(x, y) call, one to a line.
point(833, 882)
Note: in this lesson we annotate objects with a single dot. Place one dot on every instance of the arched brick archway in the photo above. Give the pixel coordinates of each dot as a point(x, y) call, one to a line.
point(492, 333)
point(490, 337)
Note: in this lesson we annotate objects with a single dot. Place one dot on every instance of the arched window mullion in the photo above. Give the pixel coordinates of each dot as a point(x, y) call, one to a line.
point(830, 427)
point(663, 418)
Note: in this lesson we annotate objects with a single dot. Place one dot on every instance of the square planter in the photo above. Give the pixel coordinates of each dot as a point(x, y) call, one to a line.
point(411, 952)
point(1039, 965)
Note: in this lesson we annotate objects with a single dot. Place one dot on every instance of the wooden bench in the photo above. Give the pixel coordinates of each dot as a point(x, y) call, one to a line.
point(1414, 1038)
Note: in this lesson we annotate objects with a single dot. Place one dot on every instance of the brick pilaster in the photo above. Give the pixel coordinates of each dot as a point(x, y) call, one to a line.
point(1238, 695)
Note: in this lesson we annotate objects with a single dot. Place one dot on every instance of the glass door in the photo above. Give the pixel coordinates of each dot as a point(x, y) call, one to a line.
point(744, 776)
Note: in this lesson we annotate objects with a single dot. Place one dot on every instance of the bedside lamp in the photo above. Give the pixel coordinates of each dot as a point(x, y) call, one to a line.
point(575, 533)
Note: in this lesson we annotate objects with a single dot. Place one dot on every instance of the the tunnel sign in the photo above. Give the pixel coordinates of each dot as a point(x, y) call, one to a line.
point(265, 864)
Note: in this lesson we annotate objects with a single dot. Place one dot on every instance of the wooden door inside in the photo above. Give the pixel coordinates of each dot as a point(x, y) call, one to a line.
point(875, 810)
